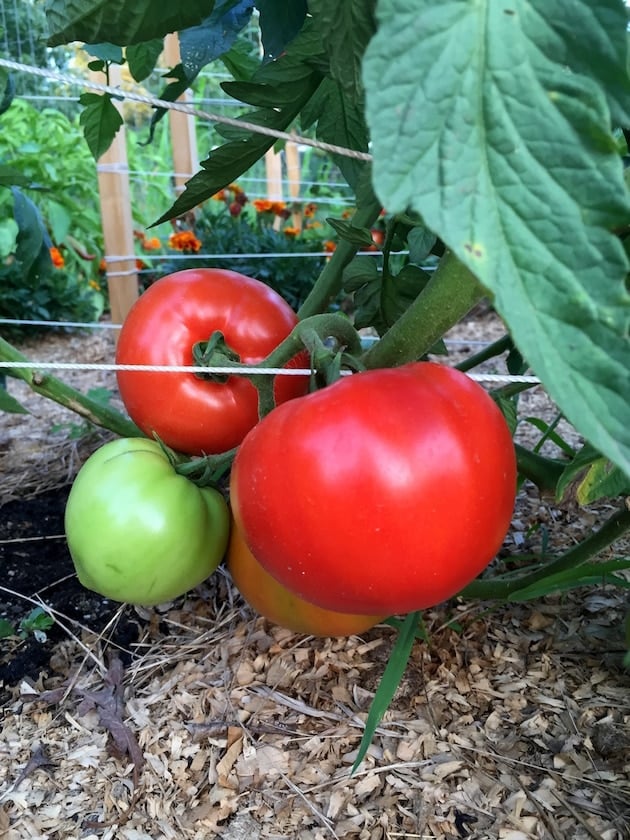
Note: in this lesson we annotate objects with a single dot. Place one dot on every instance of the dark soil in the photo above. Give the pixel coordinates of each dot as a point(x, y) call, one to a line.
point(35, 563)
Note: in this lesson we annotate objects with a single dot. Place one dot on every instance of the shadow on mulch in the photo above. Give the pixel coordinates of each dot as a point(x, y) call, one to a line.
point(35, 563)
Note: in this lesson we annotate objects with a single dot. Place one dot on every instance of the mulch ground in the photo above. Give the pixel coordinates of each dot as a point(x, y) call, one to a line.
point(200, 718)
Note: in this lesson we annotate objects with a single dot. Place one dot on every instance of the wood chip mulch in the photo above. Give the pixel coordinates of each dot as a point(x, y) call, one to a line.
point(511, 723)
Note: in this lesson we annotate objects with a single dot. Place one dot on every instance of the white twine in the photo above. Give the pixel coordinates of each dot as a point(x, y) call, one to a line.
point(186, 109)
point(262, 371)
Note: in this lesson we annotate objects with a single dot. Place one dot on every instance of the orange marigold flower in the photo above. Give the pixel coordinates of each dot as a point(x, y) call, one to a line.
point(291, 231)
point(347, 213)
point(310, 210)
point(140, 265)
point(263, 205)
point(57, 257)
point(102, 266)
point(219, 196)
point(278, 207)
point(152, 244)
point(329, 245)
point(235, 189)
point(184, 240)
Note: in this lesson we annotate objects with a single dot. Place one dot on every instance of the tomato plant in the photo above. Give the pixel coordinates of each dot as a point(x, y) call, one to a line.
point(137, 531)
point(282, 606)
point(394, 490)
point(180, 312)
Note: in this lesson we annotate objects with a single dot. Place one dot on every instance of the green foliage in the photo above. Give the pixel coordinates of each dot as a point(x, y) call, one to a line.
point(220, 233)
point(36, 623)
point(410, 629)
point(119, 21)
point(57, 295)
point(520, 176)
point(100, 120)
point(49, 153)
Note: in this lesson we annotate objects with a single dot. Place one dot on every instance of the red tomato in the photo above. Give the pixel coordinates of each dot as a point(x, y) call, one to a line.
point(279, 605)
point(384, 493)
point(187, 413)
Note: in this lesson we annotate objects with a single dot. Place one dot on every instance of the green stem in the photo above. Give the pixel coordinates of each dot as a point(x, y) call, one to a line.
point(308, 334)
point(330, 281)
point(490, 352)
point(543, 472)
point(54, 389)
point(450, 293)
point(502, 589)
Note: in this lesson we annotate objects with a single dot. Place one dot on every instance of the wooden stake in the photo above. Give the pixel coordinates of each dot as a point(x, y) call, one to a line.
point(183, 137)
point(273, 166)
point(292, 154)
point(113, 186)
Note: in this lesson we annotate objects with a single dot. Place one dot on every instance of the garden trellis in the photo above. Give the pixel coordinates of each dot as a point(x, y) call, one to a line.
point(123, 187)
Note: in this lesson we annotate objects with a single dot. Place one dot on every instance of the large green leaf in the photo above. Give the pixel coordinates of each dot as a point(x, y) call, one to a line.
point(490, 120)
point(347, 28)
point(340, 121)
point(296, 69)
point(120, 22)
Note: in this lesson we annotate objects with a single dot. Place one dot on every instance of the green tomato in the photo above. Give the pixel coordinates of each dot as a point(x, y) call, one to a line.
point(137, 531)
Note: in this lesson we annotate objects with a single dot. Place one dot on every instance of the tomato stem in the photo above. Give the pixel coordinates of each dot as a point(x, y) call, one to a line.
point(330, 281)
point(54, 389)
point(450, 294)
point(503, 589)
point(214, 352)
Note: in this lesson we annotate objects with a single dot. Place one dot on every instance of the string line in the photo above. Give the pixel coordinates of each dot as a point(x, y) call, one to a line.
point(261, 371)
point(183, 108)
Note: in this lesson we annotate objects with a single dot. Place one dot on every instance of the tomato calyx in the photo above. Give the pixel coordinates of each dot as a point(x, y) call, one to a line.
point(330, 340)
point(215, 352)
point(207, 471)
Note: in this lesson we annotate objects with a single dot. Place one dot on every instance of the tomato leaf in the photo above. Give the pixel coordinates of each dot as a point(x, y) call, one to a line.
point(587, 574)
point(143, 57)
point(346, 230)
point(100, 120)
point(504, 147)
point(280, 22)
point(590, 476)
point(392, 675)
point(121, 22)
point(199, 45)
point(226, 163)
point(9, 403)
point(106, 52)
point(347, 28)
point(341, 122)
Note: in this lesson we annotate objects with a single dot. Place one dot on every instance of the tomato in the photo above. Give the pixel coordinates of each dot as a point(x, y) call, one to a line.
point(137, 531)
point(383, 493)
point(188, 413)
point(279, 605)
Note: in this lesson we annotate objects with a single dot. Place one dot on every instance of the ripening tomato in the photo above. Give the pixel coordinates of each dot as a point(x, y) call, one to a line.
point(279, 605)
point(137, 531)
point(383, 493)
point(188, 413)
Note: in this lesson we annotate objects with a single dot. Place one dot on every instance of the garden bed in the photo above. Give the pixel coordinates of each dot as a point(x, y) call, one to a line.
point(200, 718)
